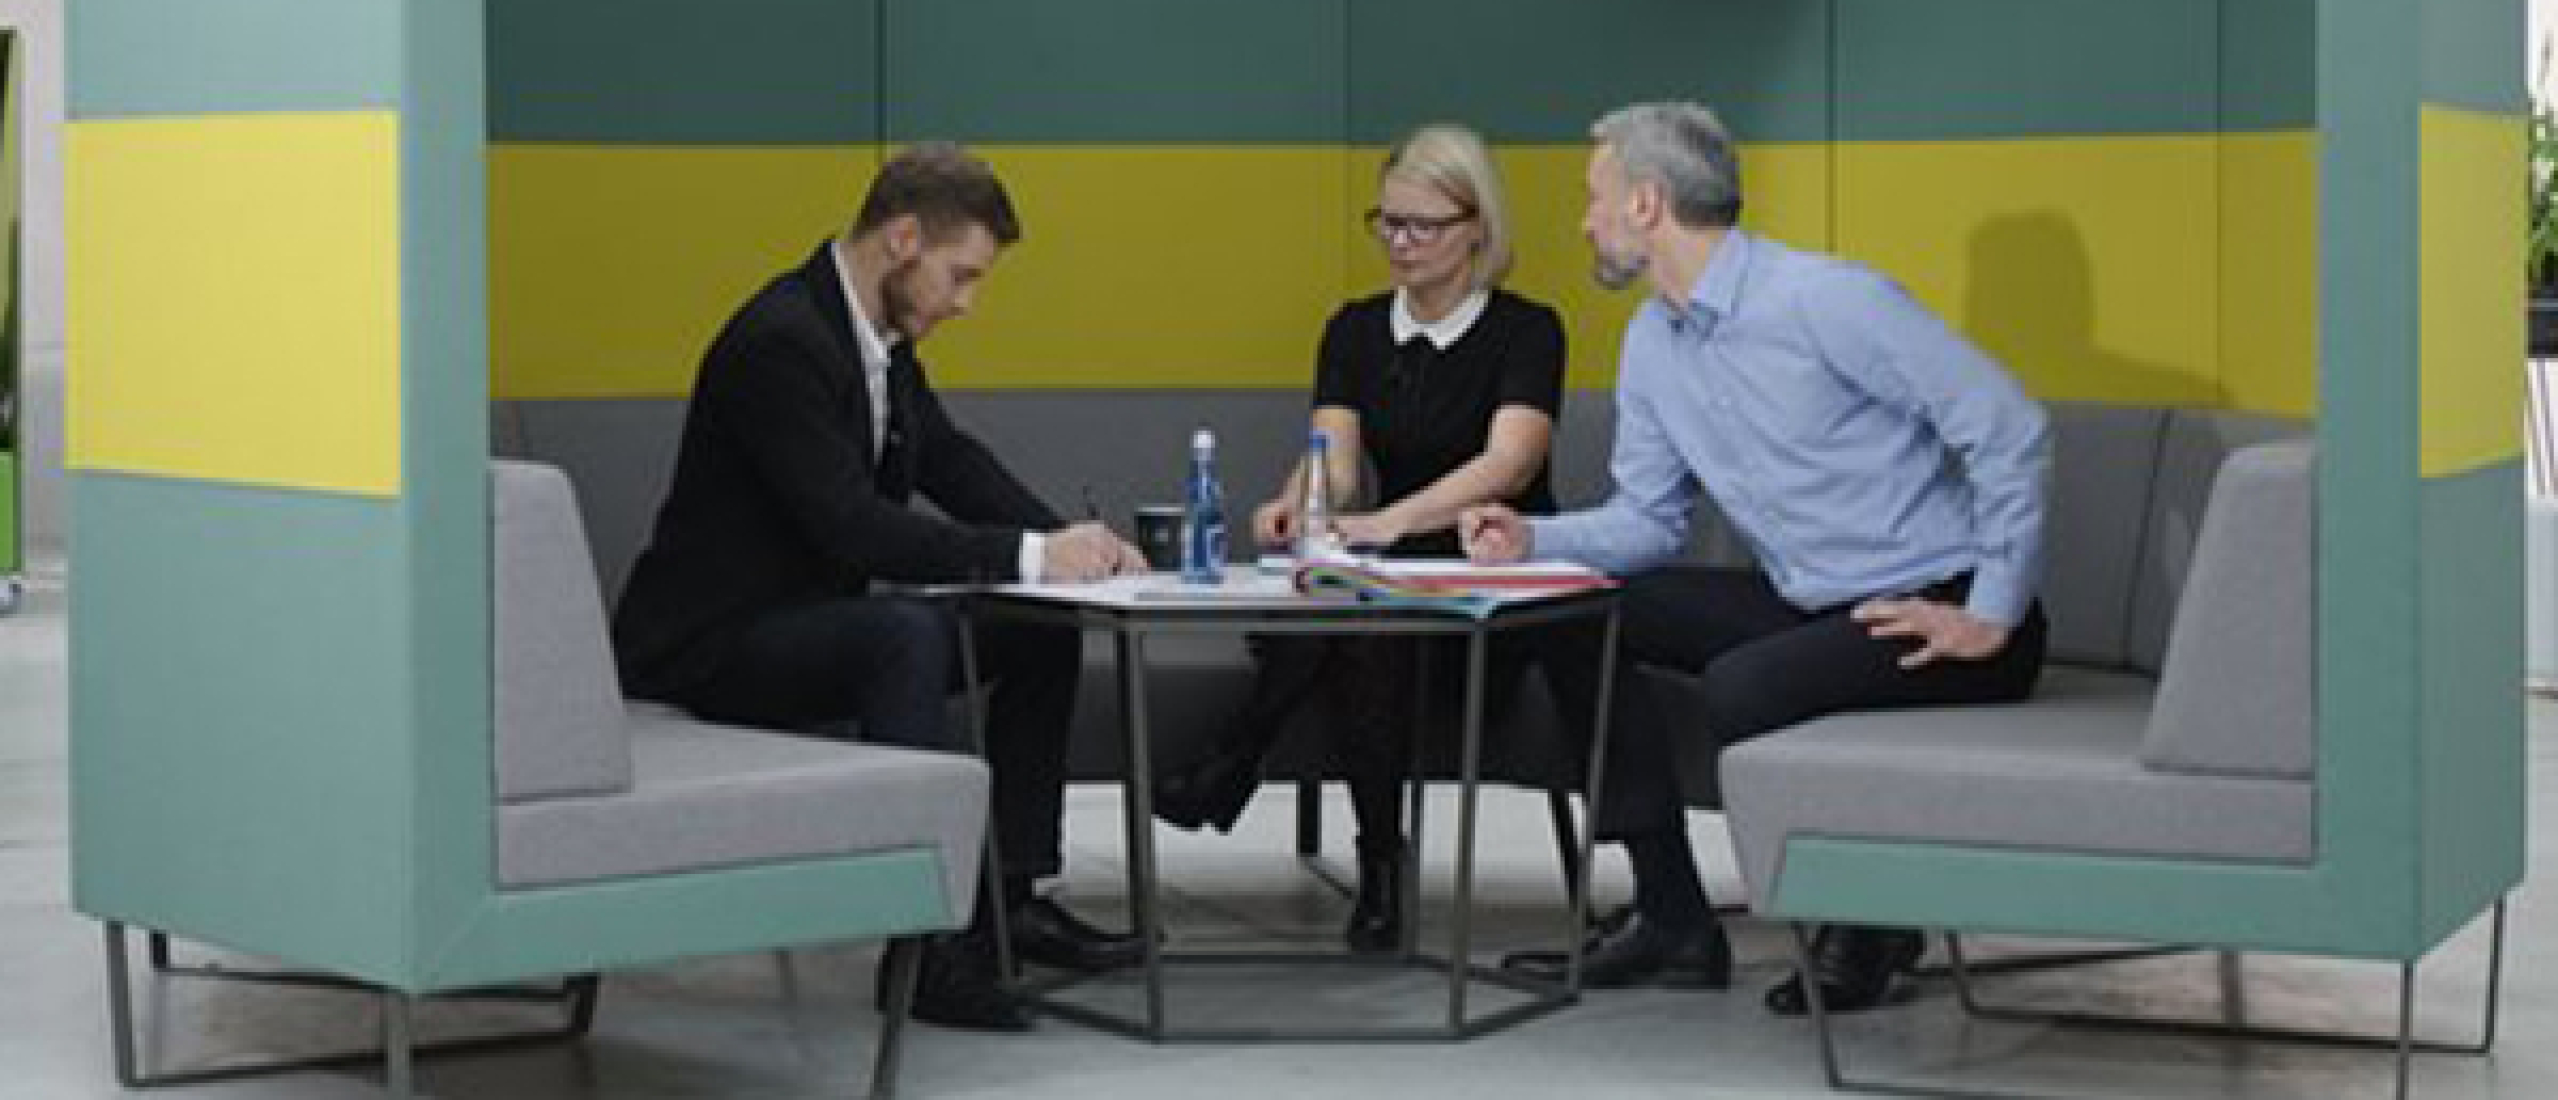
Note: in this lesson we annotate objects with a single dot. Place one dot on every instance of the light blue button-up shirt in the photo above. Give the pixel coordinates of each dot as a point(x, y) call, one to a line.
point(1859, 446)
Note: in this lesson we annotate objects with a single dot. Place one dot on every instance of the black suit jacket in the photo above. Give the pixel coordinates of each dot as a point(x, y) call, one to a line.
point(776, 503)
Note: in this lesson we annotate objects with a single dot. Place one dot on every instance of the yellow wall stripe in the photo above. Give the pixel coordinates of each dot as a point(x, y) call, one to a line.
point(2269, 272)
point(234, 310)
point(2087, 265)
point(2471, 300)
point(611, 267)
point(2098, 268)
point(1155, 266)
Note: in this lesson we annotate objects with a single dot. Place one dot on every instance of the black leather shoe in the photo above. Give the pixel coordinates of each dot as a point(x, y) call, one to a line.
point(1210, 792)
point(1376, 918)
point(1044, 932)
point(956, 987)
point(1856, 967)
point(1636, 952)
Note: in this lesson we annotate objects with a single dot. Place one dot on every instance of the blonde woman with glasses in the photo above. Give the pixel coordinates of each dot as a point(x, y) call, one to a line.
point(1438, 394)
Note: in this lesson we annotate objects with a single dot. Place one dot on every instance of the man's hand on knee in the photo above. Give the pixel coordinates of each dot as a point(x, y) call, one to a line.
point(1942, 630)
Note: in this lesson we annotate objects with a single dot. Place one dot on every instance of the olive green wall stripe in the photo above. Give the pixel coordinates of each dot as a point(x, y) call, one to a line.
point(2473, 56)
point(153, 57)
point(240, 685)
point(2015, 68)
point(1116, 70)
point(444, 405)
point(683, 71)
point(1542, 70)
point(2471, 742)
point(2268, 64)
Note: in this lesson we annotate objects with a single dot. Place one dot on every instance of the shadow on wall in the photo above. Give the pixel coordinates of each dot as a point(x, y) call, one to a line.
point(2031, 299)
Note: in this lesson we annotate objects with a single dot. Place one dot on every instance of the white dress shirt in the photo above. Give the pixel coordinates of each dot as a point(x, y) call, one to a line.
point(875, 347)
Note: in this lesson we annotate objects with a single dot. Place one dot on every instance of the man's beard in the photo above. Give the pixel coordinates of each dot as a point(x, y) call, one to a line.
point(1613, 271)
point(899, 309)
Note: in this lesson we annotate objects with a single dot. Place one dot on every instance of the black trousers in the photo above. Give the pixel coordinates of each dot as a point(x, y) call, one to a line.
point(1763, 665)
point(890, 663)
point(1376, 691)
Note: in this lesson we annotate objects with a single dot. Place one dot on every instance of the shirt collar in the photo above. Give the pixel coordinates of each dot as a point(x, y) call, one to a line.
point(874, 344)
point(1442, 332)
point(1717, 290)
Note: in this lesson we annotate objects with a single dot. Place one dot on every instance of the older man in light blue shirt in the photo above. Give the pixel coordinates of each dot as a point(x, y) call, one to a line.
point(1887, 476)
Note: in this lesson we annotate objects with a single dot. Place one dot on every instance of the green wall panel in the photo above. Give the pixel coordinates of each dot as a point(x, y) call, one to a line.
point(241, 678)
point(2268, 64)
point(2476, 54)
point(2470, 745)
point(1223, 71)
point(154, 57)
point(1542, 70)
point(1950, 69)
point(685, 72)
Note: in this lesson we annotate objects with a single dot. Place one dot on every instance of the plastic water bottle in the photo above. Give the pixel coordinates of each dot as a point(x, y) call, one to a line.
point(1203, 515)
point(1315, 537)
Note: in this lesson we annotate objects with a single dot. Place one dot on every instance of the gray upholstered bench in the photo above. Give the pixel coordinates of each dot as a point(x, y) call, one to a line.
point(2211, 759)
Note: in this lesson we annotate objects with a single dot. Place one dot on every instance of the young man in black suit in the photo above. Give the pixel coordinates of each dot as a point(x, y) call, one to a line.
point(811, 426)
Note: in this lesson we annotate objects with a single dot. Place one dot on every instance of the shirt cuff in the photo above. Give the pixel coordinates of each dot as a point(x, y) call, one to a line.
point(1034, 549)
point(1998, 596)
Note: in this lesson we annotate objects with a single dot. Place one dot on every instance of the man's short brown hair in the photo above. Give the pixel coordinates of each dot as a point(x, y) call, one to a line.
point(945, 187)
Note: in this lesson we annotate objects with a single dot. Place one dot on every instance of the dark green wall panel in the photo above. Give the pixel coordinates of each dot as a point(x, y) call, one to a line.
point(155, 57)
point(1542, 70)
point(1950, 69)
point(2269, 64)
point(1116, 70)
point(2474, 56)
point(736, 72)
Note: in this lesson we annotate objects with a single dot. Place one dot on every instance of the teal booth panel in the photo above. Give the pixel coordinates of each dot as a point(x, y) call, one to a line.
point(444, 393)
point(121, 51)
point(2313, 909)
point(2471, 740)
point(242, 765)
point(635, 922)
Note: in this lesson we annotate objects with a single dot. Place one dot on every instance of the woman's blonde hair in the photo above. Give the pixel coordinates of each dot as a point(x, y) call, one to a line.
point(1453, 160)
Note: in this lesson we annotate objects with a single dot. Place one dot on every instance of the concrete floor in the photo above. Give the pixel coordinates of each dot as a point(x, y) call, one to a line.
point(800, 1025)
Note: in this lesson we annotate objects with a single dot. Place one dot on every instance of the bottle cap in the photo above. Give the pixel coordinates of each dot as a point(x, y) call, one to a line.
point(1203, 440)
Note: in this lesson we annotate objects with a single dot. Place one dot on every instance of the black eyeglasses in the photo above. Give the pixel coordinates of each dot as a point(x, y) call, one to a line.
point(1417, 228)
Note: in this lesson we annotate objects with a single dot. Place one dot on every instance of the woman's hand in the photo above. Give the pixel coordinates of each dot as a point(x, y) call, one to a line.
point(1370, 529)
point(1274, 523)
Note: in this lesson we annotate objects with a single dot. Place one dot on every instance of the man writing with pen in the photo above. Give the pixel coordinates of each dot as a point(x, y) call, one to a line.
point(810, 428)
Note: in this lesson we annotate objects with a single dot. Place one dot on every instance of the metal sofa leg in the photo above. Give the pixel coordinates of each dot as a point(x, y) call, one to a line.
point(398, 1051)
point(1963, 973)
point(904, 962)
point(399, 1075)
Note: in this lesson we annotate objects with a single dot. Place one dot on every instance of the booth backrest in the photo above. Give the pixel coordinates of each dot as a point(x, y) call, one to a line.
point(2128, 483)
point(560, 724)
point(2239, 693)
